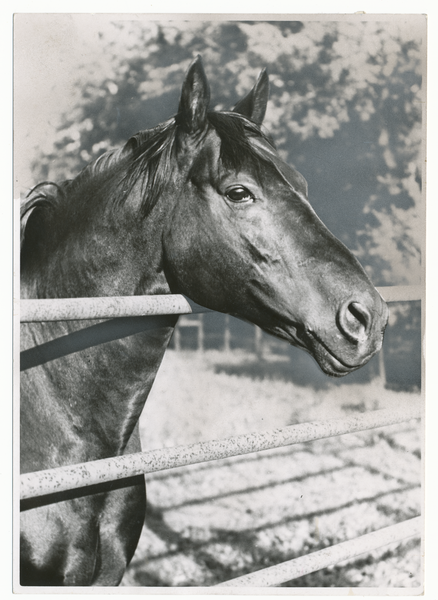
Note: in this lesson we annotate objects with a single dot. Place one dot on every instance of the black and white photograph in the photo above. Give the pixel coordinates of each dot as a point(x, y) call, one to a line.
point(219, 375)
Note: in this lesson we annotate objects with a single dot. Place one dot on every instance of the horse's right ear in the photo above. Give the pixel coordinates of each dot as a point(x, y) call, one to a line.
point(195, 98)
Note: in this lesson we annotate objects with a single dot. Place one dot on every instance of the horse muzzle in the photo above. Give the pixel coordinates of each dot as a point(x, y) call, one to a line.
point(356, 337)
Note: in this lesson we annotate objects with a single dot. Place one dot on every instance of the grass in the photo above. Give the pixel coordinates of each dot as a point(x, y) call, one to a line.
point(210, 395)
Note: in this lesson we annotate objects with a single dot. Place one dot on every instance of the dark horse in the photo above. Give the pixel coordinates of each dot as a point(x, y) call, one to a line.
point(200, 205)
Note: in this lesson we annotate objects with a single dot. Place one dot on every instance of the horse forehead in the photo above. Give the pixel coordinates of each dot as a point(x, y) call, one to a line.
point(209, 161)
point(292, 177)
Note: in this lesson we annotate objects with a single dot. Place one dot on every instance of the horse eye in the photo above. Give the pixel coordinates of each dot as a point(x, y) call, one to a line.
point(240, 194)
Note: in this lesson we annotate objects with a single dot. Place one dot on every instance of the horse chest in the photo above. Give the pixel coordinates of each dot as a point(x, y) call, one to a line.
point(83, 404)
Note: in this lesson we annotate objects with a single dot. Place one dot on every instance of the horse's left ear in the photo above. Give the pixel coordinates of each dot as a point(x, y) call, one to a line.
point(254, 104)
point(195, 98)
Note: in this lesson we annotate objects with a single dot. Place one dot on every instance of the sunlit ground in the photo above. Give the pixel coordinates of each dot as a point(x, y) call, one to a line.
point(211, 522)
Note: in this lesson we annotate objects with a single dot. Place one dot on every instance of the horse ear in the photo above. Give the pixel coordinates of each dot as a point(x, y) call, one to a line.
point(254, 104)
point(195, 98)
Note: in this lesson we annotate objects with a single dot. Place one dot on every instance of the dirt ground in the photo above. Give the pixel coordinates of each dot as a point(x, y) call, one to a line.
point(211, 522)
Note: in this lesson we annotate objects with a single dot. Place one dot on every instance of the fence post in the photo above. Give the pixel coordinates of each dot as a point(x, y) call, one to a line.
point(227, 334)
point(258, 342)
point(201, 332)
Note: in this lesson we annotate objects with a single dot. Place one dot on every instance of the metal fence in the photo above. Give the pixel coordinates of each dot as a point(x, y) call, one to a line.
point(50, 482)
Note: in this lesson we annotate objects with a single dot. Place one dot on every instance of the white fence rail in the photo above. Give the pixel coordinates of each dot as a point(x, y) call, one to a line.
point(101, 471)
point(303, 565)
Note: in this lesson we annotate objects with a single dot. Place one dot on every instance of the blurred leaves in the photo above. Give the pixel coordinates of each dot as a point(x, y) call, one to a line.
point(345, 109)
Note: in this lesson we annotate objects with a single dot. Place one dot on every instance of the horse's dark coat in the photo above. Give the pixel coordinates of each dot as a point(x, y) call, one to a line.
point(201, 205)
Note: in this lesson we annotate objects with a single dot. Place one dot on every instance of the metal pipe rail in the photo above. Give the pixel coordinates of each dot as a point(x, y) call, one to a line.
point(86, 474)
point(72, 309)
point(297, 567)
point(68, 309)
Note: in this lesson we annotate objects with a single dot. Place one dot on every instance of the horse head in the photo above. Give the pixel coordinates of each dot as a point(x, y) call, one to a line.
point(243, 238)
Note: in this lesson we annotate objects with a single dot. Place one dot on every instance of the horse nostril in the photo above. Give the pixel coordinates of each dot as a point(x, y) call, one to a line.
point(354, 321)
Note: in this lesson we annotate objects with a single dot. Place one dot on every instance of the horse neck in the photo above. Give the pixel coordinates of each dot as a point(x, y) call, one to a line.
point(104, 257)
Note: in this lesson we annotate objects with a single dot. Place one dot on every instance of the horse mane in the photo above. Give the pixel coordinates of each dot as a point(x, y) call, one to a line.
point(146, 158)
point(42, 196)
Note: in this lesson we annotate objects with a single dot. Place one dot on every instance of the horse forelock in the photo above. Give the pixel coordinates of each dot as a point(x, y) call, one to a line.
point(244, 141)
point(236, 134)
